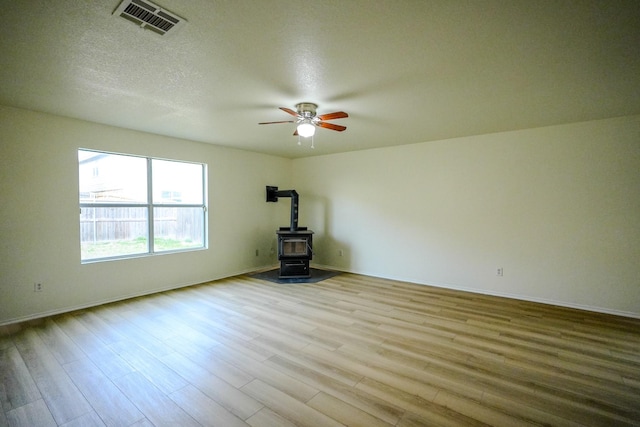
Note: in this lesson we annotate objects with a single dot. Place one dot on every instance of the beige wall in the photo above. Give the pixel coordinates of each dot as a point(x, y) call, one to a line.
point(558, 208)
point(40, 223)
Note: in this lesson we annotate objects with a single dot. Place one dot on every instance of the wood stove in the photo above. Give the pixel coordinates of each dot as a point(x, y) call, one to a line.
point(295, 252)
point(295, 244)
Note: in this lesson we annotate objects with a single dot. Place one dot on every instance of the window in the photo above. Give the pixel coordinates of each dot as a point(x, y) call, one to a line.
point(132, 205)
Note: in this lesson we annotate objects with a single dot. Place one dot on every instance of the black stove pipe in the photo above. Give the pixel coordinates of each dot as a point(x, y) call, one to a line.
point(272, 196)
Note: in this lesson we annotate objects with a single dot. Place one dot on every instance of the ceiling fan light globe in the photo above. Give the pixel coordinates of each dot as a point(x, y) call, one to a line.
point(306, 129)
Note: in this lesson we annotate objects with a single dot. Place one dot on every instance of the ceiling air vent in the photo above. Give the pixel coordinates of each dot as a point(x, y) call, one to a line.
point(149, 16)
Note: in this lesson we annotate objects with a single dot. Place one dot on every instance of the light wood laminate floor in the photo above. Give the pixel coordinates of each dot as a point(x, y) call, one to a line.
point(350, 350)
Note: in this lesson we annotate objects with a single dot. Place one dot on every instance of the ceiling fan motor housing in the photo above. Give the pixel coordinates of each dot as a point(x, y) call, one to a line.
point(306, 109)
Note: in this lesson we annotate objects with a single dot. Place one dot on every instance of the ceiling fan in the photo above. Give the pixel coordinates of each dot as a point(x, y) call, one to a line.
point(306, 120)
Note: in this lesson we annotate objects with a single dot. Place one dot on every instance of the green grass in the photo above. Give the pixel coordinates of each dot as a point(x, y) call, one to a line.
point(163, 244)
point(117, 248)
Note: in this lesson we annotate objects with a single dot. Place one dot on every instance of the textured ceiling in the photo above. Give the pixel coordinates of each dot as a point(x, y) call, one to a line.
point(405, 71)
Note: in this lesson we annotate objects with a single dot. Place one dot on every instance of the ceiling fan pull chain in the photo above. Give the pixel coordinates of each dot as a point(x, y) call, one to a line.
point(312, 142)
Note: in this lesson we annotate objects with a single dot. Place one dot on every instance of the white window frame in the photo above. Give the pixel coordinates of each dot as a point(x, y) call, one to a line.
point(150, 206)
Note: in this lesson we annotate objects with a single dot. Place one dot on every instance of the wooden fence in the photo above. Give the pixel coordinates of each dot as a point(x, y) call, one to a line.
point(116, 223)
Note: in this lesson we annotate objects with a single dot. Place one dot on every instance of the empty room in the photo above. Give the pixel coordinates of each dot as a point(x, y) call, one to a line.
point(361, 213)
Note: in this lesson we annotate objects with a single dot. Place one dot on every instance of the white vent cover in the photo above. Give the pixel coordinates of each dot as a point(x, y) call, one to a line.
point(149, 16)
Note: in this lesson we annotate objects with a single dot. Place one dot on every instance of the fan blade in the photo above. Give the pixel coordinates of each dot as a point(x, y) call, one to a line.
point(295, 133)
point(289, 110)
point(331, 126)
point(332, 116)
point(271, 123)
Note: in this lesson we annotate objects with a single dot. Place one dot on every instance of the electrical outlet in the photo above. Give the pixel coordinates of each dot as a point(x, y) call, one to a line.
point(37, 287)
point(499, 272)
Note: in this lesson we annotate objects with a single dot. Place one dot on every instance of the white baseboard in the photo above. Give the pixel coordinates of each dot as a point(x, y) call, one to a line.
point(48, 313)
point(539, 300)
point(40, 315)
point(547, 301)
